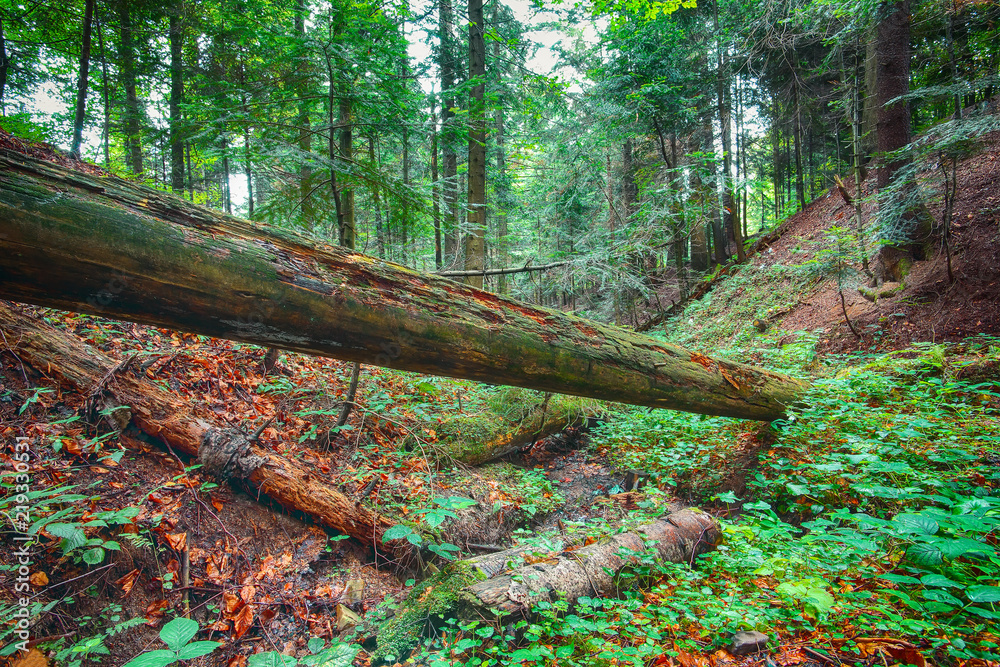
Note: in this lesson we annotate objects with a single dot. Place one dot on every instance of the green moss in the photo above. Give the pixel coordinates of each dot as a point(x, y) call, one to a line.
point(507, 411)
point(430, 601)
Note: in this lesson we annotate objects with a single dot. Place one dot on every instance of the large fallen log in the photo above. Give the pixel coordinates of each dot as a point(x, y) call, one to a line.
point(503, 587)
point(102, 245)
point(222, 451)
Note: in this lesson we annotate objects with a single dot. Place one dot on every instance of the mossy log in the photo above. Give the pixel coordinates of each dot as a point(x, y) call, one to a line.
point(106, 246)
point(502, 587)
point(515, 418)
point(163, 416)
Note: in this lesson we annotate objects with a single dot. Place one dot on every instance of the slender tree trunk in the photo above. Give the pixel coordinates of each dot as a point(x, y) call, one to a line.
point(376, 201)
point(81, 84)
point(800, 188)
point(126, 53)
point(105, 89)
point(450, 158)
point(348, 231)
point(303, 122)
point(176, 96)
point(952, 60)
point(435, 190)
point(475, 244)
point(4, 67)
point(730, 208)
point(249, 168)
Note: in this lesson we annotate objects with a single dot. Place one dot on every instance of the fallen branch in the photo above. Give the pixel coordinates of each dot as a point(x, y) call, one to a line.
point(500, 272)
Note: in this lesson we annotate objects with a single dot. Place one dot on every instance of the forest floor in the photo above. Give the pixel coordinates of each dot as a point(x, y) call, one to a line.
point(826, 516)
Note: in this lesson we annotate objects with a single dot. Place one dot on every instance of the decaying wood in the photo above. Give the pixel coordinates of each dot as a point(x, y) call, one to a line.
point(502, 586)
point(162, 415)
point(522, 419)
point(102, 245)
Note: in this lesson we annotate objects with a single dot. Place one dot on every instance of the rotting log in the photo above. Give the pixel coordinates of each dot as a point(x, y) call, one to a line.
point(514, 419)
point(222, 451)
point(106, 246)
point(506, 586)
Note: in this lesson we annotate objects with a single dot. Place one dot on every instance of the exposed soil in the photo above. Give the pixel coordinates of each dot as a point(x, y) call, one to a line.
point(929, 307)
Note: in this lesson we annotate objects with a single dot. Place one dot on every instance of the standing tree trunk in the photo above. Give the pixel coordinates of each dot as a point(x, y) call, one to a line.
point(126, 52)
point(435, 189)
point(800, 187)
point(730, 208)
point(4, 66)
point(909, 231)
point(176, 96)
point(81, 85)
point(106, 91)
point(346, 121)
point(475, 241)
point(303, 122)
point(450, 167)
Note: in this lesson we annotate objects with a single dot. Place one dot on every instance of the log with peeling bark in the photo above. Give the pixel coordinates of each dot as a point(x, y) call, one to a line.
point(507, 586)
point(102, 245)
point(163, 416)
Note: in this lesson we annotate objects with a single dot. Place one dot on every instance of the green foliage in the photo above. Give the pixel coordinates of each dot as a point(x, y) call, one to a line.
point(177, 635)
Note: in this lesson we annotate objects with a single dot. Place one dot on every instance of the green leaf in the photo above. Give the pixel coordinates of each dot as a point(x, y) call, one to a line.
point(316, 644)
point(338, 655)
point(900, 579)
point(567, 651)
point(197, 649)
point(924, 555)
point(397, 532)
point(982, 594)
point(942, 596)
point(93, 556)
point(915, 524)
point(955, 548)
point(939, 581)
point(159, 658)
point(72, 535)
point(178, 632)
point(271, 659)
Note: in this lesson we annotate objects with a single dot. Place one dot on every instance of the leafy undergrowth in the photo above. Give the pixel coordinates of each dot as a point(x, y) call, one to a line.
point(866, 530)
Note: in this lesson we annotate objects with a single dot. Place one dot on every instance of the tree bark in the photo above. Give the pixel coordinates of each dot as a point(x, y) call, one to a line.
point(4, 67)
point(446, 63)
point(176, 97)
point(81, 84)
point(113, 248)
point(435, 190)
point(126, 50)
point(167, 418)
point(892, 130)
point(475, 241)
point(493, 586)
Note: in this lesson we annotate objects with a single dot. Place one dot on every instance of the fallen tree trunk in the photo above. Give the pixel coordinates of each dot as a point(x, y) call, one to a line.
point(222, 451)
point(102, 245)
point(501, 272)
point(501, 587)
point(515, 419)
